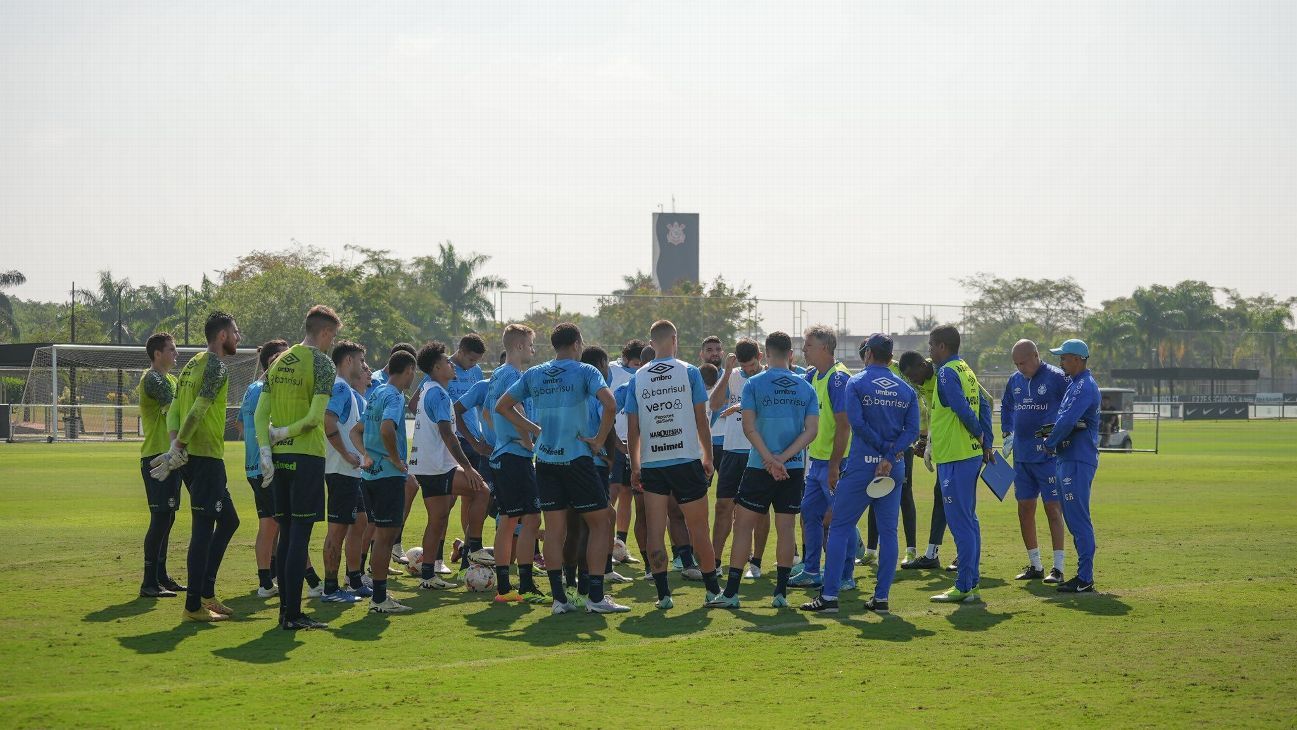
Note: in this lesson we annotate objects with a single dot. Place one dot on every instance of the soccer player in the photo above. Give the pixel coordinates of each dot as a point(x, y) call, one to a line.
point(909, 518)
point(411, 486)
point(263, 497)
point(920, 374)
point(725, 400)
point(884, 417)
point(345, 512)
point(361, 535)
point(637, 494)
point(196, 420)
point(290, 420)
point(513, 463)
point(437, 460)
point(1074, 438)
point(619, 374)
point(670, 452)
point(961, 441)
point(380, 377)
point(384, 477)
point(473, 508)
point(565, 473)
point(780, 418)
point(1031, 399)
point(832, 443)
point(157, 389)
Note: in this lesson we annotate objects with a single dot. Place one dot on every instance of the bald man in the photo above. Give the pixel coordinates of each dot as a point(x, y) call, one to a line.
point(1031, 400)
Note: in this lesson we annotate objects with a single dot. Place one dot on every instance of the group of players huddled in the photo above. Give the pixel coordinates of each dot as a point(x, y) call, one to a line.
point(589, 443)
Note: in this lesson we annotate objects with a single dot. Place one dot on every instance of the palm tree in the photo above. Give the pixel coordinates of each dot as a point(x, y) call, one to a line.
point(1113, 336)
point(465, 294)
point(7, 321)
point(108, 300)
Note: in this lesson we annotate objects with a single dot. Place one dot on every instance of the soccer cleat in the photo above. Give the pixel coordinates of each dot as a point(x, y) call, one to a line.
point(664, 603)
point(510, 597)
point(677, 565)
point(270, 592)
point(363, 591)
point(875, 605)
point(1031, 572)
point(752, 571)
point(391, 605)
point(202, 615)
point(435, 583)
point(779, 601)
point(615, 577)
point(1055, 576)
point(538, 560)
point(214, 605)
point(1076, 585)
point(954, 566)
point(798, 567)
point(922, 562)
point(440, 568)
point(398, 554)
point(723, 601)
point(342, 595)
point(821, 605)
point(318, 590)
point(954, 595)
point(806, 580)
point(848, 584)
point(156, 592)
point(536, 598)
point(456, 550)
point(303, 623)
point(691, 574)
point(607, 605)
point(561, 607)
point(868, 558)
point(482, 557)
point(170, 584)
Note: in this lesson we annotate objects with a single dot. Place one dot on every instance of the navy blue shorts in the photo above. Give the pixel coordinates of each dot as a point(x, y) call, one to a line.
point(205, 478)
point(263, 498)
point(344, 498)
point(436, 485)
point(575, 485)
point(299, 487)
point(729, 471)
point(686, 482)
point(385, 500)
point(760, 491)
point(620, 473)
point(163, 496)
point(516, 493)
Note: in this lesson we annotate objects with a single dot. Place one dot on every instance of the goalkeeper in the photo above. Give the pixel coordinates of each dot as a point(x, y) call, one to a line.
point(156, 391)
point(196, 421)
point(289, 418)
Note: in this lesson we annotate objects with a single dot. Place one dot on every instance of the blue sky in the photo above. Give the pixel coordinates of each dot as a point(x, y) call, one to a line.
point(855, 151)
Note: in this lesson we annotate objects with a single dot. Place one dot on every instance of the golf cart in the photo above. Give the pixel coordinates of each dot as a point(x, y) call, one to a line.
point(1116, 418)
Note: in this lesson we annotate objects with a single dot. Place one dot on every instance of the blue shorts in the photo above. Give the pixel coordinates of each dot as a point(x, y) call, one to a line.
point(1035, 479)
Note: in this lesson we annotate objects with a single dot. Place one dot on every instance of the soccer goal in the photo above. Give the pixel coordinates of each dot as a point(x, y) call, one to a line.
point(83, 393)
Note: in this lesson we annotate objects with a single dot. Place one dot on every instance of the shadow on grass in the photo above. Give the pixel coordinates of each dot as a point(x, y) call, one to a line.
point(1095, 604)
point(888, 627)
point(784, 622)
point(162, 642)
point(370, 628)
point(976, 617)
point(272, 647)
point(653, 623)
point(551, 630)
point(134, 607)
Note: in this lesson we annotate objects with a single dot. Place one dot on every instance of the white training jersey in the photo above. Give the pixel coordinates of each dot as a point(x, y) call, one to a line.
point(333, 461)
point(732, 425)
point(665, 405)
point(428, 452)
point(618, 374)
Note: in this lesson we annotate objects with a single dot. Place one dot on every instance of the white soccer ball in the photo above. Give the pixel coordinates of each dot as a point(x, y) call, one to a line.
point(619, 551)
point(414, 558)
point(479, 578)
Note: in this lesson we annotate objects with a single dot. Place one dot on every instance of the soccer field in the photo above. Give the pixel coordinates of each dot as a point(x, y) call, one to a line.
point(1193, 622)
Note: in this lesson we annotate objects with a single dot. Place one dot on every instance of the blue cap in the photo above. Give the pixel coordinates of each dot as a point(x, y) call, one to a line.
point(1072, 347)
point(879, 344)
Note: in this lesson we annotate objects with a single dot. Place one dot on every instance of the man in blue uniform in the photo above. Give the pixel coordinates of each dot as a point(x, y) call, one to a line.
point(1074, 437)
point(884, 415)
point(1031, 398)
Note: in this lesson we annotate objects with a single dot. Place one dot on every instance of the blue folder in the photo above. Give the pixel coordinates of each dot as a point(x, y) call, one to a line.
point(998, 475)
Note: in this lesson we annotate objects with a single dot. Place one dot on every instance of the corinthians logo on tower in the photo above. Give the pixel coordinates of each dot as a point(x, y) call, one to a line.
point(675, 233)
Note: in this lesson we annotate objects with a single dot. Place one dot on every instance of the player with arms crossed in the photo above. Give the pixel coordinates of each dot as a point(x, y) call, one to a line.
point(669, 441)
point(196, 420)
point(346, 510)
point(781, 418)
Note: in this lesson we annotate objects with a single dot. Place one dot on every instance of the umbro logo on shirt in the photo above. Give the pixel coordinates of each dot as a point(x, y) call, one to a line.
point(554, 372)
point(290, 359)
point(885, 383)
point(660, 368)
point(785, 382)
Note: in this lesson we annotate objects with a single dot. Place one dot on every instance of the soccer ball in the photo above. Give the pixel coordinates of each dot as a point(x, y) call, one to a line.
point(414, 561)
point(479, 578)
point(619, 552)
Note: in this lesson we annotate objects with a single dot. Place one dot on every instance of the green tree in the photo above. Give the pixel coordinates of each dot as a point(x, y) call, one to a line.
point(698, 310)
point(111, 303)
point(366, 296)
point(1113, 339)
point(9, 325)
point(1054, 306)
point(272, 303)
point(464, 292)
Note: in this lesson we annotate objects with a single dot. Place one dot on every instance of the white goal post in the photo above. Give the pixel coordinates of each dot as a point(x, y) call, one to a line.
point(82, 393)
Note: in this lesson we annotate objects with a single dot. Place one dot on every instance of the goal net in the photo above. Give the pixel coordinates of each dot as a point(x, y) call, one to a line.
point(88, 392)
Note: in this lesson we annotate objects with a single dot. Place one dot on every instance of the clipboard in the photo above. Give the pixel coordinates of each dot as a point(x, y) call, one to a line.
point(998, 476)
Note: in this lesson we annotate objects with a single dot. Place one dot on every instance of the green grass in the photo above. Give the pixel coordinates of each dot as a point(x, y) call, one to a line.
point(1194, 623)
